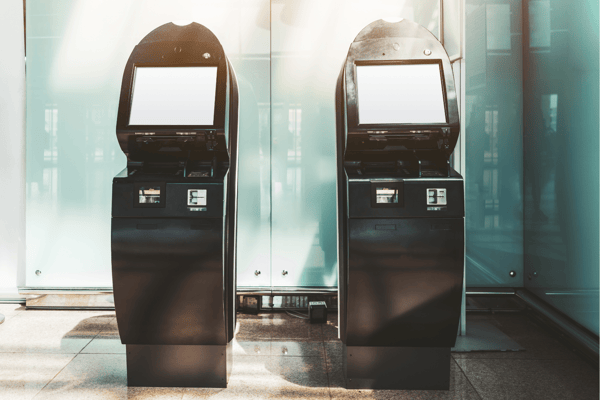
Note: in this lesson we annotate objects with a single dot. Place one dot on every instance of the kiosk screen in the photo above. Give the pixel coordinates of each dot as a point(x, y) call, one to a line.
point(173, 96)
point(400, 94)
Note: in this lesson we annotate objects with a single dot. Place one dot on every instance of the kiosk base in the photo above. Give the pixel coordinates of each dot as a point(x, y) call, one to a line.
point(179, 366)
point(403, 368)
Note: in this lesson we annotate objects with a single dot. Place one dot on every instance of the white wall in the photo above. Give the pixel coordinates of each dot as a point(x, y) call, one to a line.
point(12, 148)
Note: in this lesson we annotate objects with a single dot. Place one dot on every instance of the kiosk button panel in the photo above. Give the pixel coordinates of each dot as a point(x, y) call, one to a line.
point(436, 197)
point(196, 197)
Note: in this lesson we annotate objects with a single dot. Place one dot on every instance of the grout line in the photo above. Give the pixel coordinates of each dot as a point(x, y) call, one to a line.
point(326, 363)
point(467, 378)
point(61, 370)
point(75, 356)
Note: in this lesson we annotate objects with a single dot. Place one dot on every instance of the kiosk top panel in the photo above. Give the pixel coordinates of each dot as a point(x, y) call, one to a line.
point(399, 86)
point(173, 99)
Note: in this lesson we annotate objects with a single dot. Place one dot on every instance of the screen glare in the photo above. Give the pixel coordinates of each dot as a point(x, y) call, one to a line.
point(400, 94)
point(173, 96)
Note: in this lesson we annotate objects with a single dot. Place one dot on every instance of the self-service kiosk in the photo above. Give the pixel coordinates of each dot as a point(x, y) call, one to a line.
point(174, 209)
point(400, 209)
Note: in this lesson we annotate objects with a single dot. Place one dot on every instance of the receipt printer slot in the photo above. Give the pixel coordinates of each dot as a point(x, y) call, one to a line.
point(387, 194)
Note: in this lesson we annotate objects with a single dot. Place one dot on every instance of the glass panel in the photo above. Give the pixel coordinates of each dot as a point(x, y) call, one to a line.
point(494, 116)
point(561, 156)
point(310, 41)
point(76, 53)
point(252, 66)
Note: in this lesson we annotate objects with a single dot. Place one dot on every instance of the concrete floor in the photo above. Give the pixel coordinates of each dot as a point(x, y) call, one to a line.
point(78, 355)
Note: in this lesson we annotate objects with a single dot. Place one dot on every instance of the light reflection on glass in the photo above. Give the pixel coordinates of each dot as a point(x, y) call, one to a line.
point(561, 141)
point(76, 54)
point(308, 49)
point(493, 186)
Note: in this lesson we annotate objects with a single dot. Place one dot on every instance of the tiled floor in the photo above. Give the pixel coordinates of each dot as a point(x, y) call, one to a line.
point(78, 355)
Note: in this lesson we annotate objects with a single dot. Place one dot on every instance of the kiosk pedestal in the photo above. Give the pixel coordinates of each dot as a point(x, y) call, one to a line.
point(173, 210)
point(401, 214)
point(406, 368)
point(179, 366)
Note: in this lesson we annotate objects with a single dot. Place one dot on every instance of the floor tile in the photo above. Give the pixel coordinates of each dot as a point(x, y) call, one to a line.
point(110, 330)
point(275, 372)
point(330, 329)
point(219, 394)
point(90, 376)
point(102, 345)
point(90, 327)
point(278, 326)
point(50, 331)
point(287, 327)
point(531, 379)
point(22, 376)
point(11, 309)
point(297, 349)
point(275, 356)
point(254, 327)
point(460, 388)
point(259, 316)
point(299, 371)
point(538, 343)
point(277, 378)
point(333, 350)
point(143, 393)
point(256, 393)
point(251, 348)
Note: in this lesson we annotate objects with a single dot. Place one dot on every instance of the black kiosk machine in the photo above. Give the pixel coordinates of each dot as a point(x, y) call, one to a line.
point(174, 208)
point(400, 209)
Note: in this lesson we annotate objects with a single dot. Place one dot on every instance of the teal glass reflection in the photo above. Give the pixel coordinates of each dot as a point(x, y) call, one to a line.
point(561, 156)
point(252, 66)
point(310, 40)
point(76, 52)
point(494, 116)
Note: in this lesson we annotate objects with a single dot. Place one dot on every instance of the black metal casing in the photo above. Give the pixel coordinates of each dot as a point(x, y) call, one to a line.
point(173, 265)
point(400, 263)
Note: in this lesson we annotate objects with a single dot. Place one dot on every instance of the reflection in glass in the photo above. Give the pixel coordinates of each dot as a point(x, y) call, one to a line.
point(493, 177)
point(560, 143)
point(307, 51)
point(75, 62)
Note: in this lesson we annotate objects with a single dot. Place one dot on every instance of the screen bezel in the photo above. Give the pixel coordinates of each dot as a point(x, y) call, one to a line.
point(220, 97)
point(353, 111)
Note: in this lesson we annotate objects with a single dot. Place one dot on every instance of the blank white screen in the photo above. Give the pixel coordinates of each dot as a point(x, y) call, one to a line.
point(173, 96)
point(400, 94)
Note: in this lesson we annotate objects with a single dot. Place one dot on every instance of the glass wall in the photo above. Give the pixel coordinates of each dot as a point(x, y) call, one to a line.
point(494, 117)
point(310, 41)
point(76, 53)
point(287, 57)
point(561, 153)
